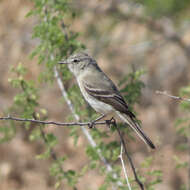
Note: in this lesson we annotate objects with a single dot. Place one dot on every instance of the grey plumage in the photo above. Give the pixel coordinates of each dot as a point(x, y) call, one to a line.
point(100, 92)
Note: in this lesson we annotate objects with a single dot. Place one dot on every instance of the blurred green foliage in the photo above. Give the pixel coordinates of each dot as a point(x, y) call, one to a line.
point(57, 41)
point(183, 131)
point(168, 8)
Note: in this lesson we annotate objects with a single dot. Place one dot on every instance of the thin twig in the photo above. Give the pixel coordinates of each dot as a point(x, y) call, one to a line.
point(43, 135)
point(52, 152)
point(90, 123)
point(188, 138)
point(124, 168)
point(171, 96)
point(127, 154)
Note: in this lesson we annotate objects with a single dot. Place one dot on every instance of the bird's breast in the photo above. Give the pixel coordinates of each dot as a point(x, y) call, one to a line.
point(97, 105)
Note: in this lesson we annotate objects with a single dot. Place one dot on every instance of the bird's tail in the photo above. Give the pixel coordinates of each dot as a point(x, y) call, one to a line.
point(136, 127)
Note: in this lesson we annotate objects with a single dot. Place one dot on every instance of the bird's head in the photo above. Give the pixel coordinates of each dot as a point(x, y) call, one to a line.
point(79, 62)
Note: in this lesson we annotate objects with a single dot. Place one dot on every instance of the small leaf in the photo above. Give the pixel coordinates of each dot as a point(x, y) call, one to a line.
point(51, 139)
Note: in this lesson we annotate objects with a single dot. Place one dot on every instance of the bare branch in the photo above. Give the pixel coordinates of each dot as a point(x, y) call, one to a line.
point(124, 168)
point(173, 97)
point(90, 123)
point(126, 153)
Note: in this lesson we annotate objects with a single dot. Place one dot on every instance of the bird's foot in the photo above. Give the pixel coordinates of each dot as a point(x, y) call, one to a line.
point(91, 125)
point(111, 122)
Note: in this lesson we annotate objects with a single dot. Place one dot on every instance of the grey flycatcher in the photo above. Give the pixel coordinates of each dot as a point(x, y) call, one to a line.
point(100, 92)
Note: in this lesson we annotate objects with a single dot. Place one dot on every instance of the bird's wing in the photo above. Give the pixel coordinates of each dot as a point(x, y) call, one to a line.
point(106, 92)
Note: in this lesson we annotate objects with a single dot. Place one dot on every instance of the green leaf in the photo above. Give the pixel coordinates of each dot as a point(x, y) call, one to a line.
point(180, 163)
point(147, 162)
point(51, 139)
point(44, 155)
point(104, 187)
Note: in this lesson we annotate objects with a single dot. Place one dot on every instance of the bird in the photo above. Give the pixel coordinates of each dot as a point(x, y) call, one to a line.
point(100, 92)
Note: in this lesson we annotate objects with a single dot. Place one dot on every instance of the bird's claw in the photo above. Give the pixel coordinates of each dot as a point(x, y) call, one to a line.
point(91, 125)
point(110, 122)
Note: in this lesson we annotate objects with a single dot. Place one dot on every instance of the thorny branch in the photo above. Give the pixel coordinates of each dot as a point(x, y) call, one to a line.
point(90, 124)
point(172, 96)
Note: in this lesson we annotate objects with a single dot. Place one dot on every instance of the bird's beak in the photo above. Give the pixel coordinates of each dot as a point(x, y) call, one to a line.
point(63, 62)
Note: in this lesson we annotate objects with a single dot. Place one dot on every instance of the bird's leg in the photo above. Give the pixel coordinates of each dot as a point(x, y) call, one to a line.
point(91, 124)
point(99, 118)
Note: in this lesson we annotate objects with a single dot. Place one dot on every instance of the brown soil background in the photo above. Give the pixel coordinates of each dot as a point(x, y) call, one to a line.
point(167, 69)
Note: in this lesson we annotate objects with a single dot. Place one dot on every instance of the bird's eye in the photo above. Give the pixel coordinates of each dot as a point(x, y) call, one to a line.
point(75, 60)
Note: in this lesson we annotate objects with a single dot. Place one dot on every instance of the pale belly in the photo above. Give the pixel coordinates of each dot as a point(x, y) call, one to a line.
point(97, 105)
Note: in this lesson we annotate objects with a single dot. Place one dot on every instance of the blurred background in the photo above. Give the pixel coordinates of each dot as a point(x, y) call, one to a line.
point(123, 36)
